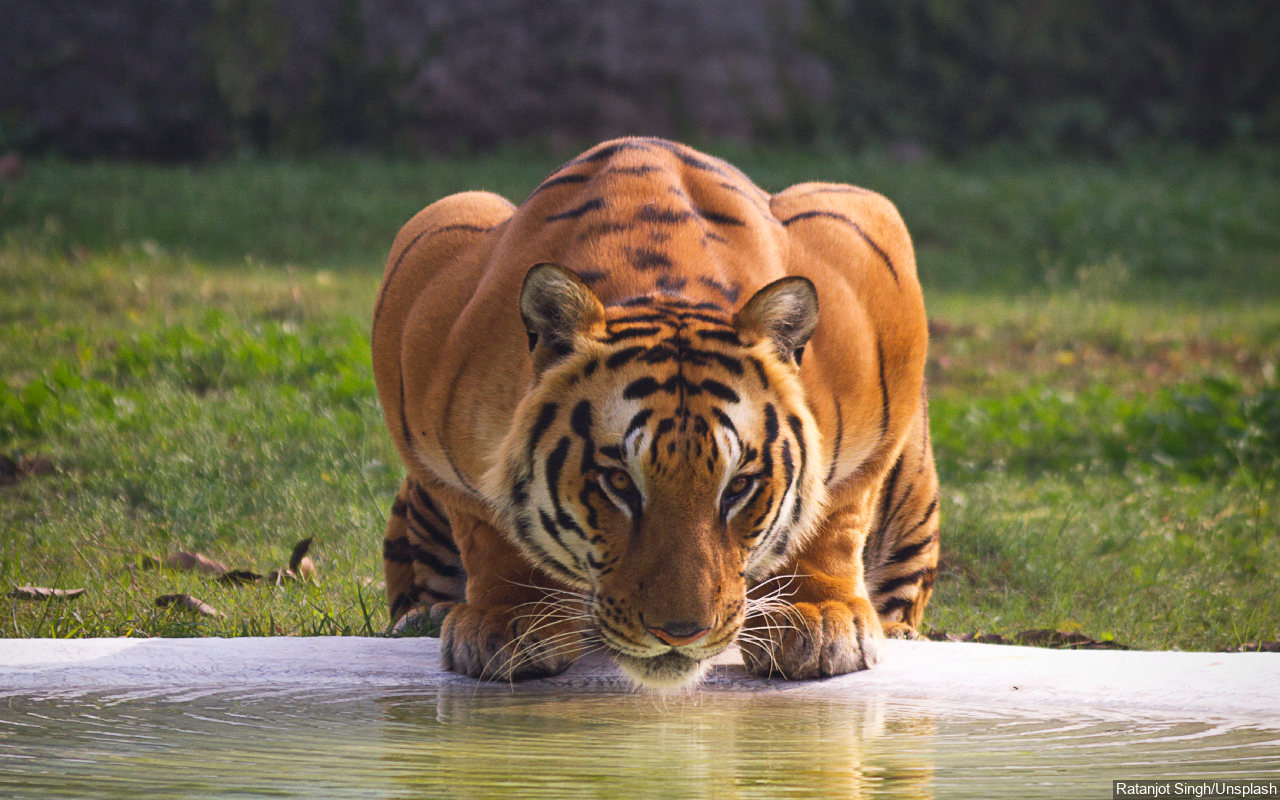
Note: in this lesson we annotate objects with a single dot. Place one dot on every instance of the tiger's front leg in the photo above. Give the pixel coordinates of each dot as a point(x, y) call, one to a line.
point(516, 623)
point(814, 619)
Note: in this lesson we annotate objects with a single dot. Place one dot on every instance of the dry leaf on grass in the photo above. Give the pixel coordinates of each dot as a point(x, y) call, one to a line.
point(236, 577)
point(186, 561)
point(300, 563)
point(1036, 637)
point(44, 593)
point(188, 602)
point(1256, 647)
point(197, 561)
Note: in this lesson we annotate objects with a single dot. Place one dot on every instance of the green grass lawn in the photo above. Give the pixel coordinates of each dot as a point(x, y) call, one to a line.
point(185, 364)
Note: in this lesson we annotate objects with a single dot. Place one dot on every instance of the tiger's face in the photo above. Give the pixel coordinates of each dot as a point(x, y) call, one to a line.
point(663, 462)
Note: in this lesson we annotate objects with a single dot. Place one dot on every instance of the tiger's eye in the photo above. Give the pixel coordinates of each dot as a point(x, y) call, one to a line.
point(739, 485)
point(619, 480)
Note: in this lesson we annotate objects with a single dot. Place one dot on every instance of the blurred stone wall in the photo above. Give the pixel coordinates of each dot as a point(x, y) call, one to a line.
point(182, 78)
point(196, 78)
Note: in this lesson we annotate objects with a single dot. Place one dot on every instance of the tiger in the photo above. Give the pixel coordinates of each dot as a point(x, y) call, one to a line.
point(627, 427)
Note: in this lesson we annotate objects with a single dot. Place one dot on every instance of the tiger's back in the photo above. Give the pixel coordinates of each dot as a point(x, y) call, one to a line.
point(653, 228)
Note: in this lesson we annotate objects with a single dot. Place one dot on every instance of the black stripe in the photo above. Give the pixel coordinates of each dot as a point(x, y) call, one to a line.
point(555, 465)
point(759, 368)
point(404, 419)
point(707, 318)
point(835, 451)
point(731, 292)
point(401, 604)
point(909, 551)
point(725, 422)
point(425, 499)
point(624, 356)
point(546, 415)
point(670, 285)
point(856, 227)
point(884, 392)
point(658, 315)
point(703, 357)
point(770, 425)
point(397, 550)
point(549, 526)
point(789, 477)
point(603, 152)
point(580, 420)
point(797, 430)
point(631, 333)
point(650, 213)
point(906, 496)
point(887, 498)
point(690, 160)
point(727, 336)
point(641, 388)
point(420, 555)
point(397, 508)
point(894, 584)
point(594, 204)
point(718, 389)
point(643, 300)
point(591, 275)
point(638, 421)
point(560, 181)
point(642, 169)
point(643, 258)
point(717, 218)
point(928, 514)
point(457, 472)
point(892, 604)
point(597, 229)
point(665, 426)
point(421, 525)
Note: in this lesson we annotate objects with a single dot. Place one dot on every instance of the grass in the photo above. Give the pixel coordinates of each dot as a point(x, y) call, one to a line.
point(188, 349)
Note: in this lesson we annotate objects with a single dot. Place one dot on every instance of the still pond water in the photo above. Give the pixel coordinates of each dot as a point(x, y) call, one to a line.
point(495, 743)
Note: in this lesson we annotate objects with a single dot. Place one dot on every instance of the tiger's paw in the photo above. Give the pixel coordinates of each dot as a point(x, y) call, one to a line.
point(901, 630)
point(505, 643)
point(415, 622)
point(813, 640)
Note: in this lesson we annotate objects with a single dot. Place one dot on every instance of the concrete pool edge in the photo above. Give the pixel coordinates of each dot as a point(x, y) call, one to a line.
point(1239, 686)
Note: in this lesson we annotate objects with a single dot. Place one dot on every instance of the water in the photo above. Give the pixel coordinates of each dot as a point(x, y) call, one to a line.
point(493, 742)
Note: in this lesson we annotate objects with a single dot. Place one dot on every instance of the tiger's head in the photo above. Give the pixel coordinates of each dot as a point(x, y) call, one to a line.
point(663, 461)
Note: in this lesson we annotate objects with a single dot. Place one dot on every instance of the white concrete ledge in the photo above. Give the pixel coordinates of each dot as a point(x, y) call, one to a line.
point(1237, 686)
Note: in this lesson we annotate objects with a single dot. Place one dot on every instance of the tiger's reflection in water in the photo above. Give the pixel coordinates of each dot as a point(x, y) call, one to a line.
point(491, 741)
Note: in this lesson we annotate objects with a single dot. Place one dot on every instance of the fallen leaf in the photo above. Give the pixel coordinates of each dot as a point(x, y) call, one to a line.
point(1256, 647)
point(188, 602)
point(306, 568)
point(279, 576)
point(1071, 640)
point(1037, 637)
point(198, 561)
point(44, 593)
point(299, 554)
point(239, 576)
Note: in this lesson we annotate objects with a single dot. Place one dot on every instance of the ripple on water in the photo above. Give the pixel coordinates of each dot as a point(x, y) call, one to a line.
point(464, 743)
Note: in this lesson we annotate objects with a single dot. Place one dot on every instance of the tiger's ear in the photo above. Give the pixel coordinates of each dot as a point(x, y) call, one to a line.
point(785, 311)
point(557, 307)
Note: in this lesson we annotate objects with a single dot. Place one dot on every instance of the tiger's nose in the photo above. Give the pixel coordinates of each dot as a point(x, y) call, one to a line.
point(679, 633)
